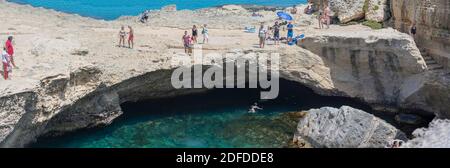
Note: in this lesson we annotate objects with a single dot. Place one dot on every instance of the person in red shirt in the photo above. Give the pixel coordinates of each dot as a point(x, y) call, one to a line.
point(10, 50)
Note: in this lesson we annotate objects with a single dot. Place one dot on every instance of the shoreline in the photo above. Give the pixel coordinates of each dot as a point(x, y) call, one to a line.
point(249, 7)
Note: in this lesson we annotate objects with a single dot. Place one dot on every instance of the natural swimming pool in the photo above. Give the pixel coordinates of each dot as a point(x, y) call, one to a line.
point(218, 118)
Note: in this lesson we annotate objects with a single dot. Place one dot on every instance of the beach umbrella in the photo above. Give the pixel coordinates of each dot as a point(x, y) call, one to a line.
point(285, 16)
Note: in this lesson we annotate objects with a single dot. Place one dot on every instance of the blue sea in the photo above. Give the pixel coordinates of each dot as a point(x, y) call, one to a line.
point(112, 9)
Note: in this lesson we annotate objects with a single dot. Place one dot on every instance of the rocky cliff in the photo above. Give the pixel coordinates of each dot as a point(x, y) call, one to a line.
point(354, 10)
point(432, 18)
point(370, 66)
point(69, 80)
point(346, 128)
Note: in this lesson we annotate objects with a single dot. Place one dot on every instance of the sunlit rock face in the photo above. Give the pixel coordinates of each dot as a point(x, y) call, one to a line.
point(436, 135)
point(346, 128)
point(432, 18)
point(371, 65)
point(354, 10)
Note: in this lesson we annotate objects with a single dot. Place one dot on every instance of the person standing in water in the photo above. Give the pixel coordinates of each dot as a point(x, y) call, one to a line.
point(10, 50)
point(186, 42)
point(130, 37)
point(122, 34)
point(205, 34)
point(6, 63)
point(254, 108)
point(194, 34)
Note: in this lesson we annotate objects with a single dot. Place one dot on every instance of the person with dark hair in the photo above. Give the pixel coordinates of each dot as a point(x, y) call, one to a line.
point(290, 33)
point(194, 34)
point(276, 33)
point(187, 42)
point(413, 30)
point(10, 50)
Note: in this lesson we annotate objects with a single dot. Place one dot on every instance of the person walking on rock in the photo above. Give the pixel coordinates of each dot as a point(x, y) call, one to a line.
point(122, 35)
point(262, 36)
point(205, 34)
point(10, 50)
point(194, 34)
point(6, 63)
point(276, 33)
point(186, 42)
point(130, 37)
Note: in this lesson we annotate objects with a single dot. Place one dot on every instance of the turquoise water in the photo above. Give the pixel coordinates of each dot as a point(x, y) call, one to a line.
point(112, 9)
point(218, 118)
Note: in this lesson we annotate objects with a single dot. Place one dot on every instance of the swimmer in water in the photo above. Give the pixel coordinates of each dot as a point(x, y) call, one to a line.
point(254, 108)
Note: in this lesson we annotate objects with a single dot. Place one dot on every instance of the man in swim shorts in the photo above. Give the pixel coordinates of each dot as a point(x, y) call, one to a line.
point(290, 33)
point(276, 33)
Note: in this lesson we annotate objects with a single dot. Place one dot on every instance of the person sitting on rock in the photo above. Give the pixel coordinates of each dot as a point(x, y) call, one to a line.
point(144, 17)
point(309, 9)
point(294, 10)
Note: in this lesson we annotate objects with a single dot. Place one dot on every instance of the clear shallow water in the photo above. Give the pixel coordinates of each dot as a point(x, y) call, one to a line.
point(112, 9)
point(218, 119)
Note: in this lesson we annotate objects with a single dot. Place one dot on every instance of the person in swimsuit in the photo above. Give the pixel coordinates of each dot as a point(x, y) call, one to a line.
point(327, 15)
point(194, 34)
point(130, 37)
point(186, 42)
point(254, 108)
point(205, 34)
point(276, 33)
point(290, 33)
point(262, 36)
point(320, 18)
point(122, 34)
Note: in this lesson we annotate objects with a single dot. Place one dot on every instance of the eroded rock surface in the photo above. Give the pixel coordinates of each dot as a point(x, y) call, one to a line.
point(432, 18)
point(346, 128)
point(436, 135)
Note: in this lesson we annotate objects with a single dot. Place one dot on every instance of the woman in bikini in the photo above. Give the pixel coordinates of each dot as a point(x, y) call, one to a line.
point(122, 34)
point(130, 37)
point(194, 34)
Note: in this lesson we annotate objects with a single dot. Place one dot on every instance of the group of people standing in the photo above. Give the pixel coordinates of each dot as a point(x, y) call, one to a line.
point(123, 34)
point(265, 34)
point(8, 58)
point(189, 40)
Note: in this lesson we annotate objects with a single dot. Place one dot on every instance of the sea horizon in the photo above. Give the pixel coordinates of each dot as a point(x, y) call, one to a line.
point(114, 9)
